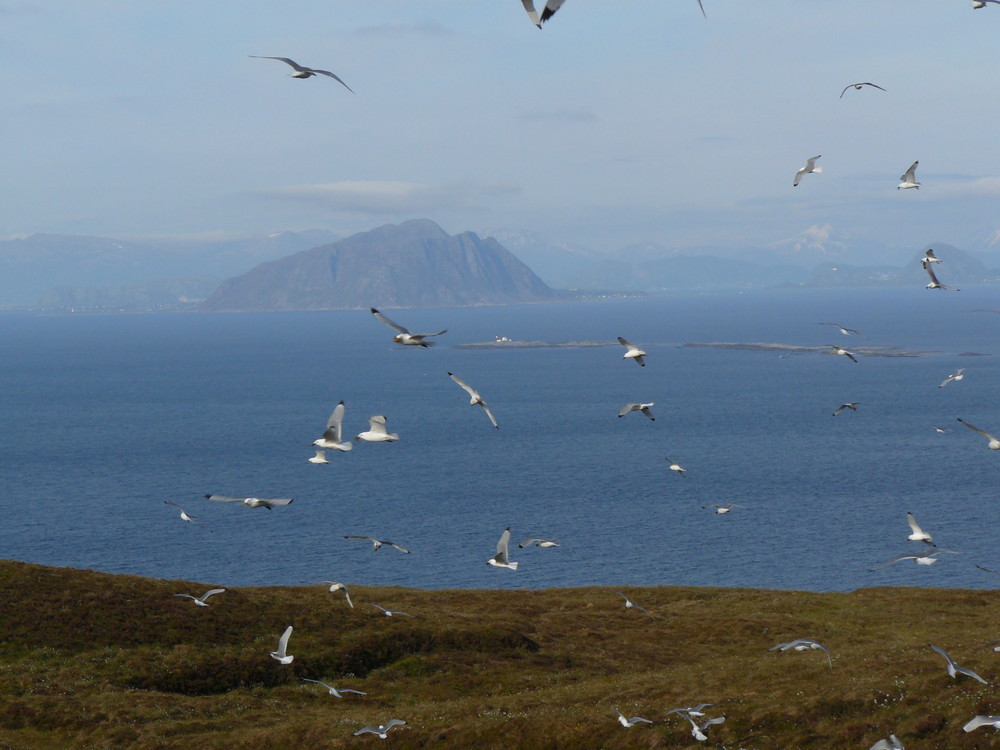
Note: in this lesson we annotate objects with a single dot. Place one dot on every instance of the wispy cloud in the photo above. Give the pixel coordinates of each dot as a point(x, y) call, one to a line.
point(375, 197)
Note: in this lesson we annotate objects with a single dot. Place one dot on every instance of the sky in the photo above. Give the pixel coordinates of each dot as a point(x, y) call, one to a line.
point(619, 122)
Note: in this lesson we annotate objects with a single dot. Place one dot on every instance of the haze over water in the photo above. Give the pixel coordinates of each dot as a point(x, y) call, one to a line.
point(105, 417)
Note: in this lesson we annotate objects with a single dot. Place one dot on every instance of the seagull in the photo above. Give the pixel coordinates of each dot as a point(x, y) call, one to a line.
point(918, 535)
point(698, 732)
point(809, 168)
point(909, 178)
point(955, 376)
point(674, 466)
point(926, 558)
point(935, 284)
point(282, 654)
point(644, 408)
point(376, 432)
point(843, 330)
point(627, 723)
point(333, 435)
point(723, 509)
point(389, 612)
point(200, 600)
point(253, 502)
point(475, 398)
point(853, 406)
point(691, 710)
point(629, 604)
point(535, 542)
point(335, 586)
point(892, 743)
point(319, 458)
point(929, 256)
point(942, 430)
point(982, 721)
point(377, 544)
point(303, 72)
point(381, 729)
point(954, 670)
point(803, 644)
point(976, 5)
point(548, 10)
point(994, 444)
point(843, 352)
point(403, 336)
point(501, 559)
point(332, 690)
point(184, 513)
point(858, 87)
point(634, 352)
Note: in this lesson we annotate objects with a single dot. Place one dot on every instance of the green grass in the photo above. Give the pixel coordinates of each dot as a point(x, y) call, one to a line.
point(91, 660)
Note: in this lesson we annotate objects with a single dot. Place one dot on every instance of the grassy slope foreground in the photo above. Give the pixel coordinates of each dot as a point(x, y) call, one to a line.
point(92, 660)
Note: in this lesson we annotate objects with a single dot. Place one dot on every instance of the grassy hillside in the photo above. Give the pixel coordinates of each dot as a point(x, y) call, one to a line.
point(90, 660)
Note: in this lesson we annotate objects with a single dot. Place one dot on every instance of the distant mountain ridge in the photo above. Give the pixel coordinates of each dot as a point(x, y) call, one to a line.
point(413, 264)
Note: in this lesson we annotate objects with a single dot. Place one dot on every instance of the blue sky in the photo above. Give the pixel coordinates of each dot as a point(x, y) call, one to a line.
point(619, 122)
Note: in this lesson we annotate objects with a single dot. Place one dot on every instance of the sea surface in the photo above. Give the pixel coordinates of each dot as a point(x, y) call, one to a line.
point(105, 417)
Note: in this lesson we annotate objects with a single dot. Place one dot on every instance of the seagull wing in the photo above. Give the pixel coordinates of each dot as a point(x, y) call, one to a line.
point(930, 272)
point(225, 499)
point(211, 592)
point(981, 721)
point(798, 177)
point(348, 690)
point(896, 559)
point(334, 425)
point(845, 90)
point(473, 393)
point(400, 548)
point(714, 720)
point(335, 77)
point(186, 596)
point(550, 9)
point(706, 16)
point(873, 85)
point(976, 429)
point(294, 64)
point(914, 526)
point(393, 723)
point(529, 8)
point(363, 730)
point(283, 641)
point(627, 408)
point(271, 502)
point(385, 321)
point(489, 414)
point(377, 606)
point(377, 424)
point(970, 673)
point(911, 174)
point(502, 553)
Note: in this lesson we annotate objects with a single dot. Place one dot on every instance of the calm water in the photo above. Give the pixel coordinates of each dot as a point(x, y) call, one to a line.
point(105, 417)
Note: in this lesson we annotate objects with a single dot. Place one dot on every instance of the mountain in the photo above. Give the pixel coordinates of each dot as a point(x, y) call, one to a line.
point(957, 267)
point(413, 264)
point(556, 262)
point(161, 294)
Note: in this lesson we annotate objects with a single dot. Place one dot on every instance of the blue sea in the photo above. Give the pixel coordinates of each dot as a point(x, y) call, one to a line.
point(104, 417)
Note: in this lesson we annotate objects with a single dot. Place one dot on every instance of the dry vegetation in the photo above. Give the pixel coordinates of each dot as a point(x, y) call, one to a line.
point(91, 660)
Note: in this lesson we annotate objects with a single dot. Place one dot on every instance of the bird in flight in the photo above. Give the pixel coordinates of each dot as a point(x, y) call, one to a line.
point(382, 729)
point(282, 654)
point(853, 406)
point(302, 71)
point(184, 514)
point(918, 535)
point(628, 723)
point(809, 168)
point(376, 432)
point(377, 544)
point(629, 604)
point(337, 586)
point(644, 408)
point(935, 284)
point(333, 435)
point(502, 558)
point(200, 600)
point(909, 178)
point(843, 329)
point(634, 352)
point(994, 444)
point(403, 336)
point(389, 612)
point(674, 466)
point(253, 502)
point(955, 376)
point(332, 690)
point(954, 669)
point(475, 398)
point(803, 644)
point(858, 87)
point(843, 352)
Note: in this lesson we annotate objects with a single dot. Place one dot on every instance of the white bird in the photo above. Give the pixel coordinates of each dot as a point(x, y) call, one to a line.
point(253, 502)
point(843, 352)
point(929, 256)
point(698, 731)
point(403, 336)
point(336, 586)
point(858, 87)
point(389, 612)
point(994, 444)
point(627, 723)
point(502, 559)
point(935, 284)
point(644, 408)
point(843, 329)
point(376, 432)
point(377, 543)
point(333, 434)
point(982, 721)
point(925, 558)
point(918, 535)
point(184, 514)
point(909, 178)
point(332, 690)
point(282, 654)
point(381, 729)
point(954, 669)
point(690, 711)
point(319, 458)
point(852, 405)
point(723, 509)
point(549, 9)
point(629, 604)
point(475, 398)
point(892, 743)
point(634, 352)
point(809, 168)
point(941, 430)
point(954, 377)
point(301, 71)
point(674, 466)
point(200, 600)
point(977, 4)
point(536, 542)
point(803, 644)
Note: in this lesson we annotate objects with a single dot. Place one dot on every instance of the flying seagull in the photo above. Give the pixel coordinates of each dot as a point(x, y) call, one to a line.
point(809, 168)
point(376, 432)
point(674, 466)
point(803, 644)
point(994, 444)
point(200, 600)
point(336, 586)
point(403, 336)
point(982, 721)
point(319, 458)
point(892, 743)
point(939, 429)
point(929, 256)
point(634, 352)
point(332, 690)
point(909, 178)
point(858, 87)
point(535, 542)
point(843, 352)
point(302, 71)
point(843, 329)
point(954, 670)
point(918, 535)
point(501, 559)
point(253, 502)
point(629, 604)
point(689, 711)
point(627, 723)
point(389, 612)
point(644, 408)
point(926, 558)
point(282, 654)
point(698, 730)
point(935, 284)
point(184, 513)
point(377, 543)
point(381, 729)
point(955, 376)
point(333, 435)
point(548, 10)
point(475, 398)
point(852, 405)
point(721, 510)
